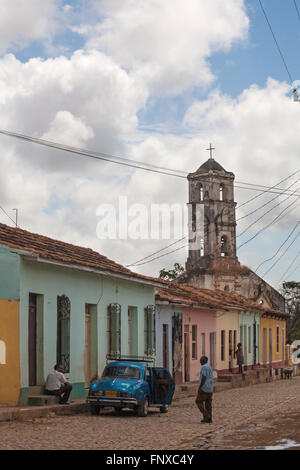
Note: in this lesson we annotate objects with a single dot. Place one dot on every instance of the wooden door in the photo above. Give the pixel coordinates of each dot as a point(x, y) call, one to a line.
point(87, 348)
point(265, 346)
point(32, 341)
point(212, 349)
point(270, 346)
point(186, 354)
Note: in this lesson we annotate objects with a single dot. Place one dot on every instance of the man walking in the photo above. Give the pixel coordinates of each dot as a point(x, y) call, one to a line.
point(205, 391)
point(57, 384)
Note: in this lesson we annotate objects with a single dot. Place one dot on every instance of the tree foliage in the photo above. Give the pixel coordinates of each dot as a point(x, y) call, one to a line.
point(171, 274)
point(291, 292)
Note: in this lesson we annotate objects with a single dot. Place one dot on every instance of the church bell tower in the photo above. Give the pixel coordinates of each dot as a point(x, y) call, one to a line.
point(211, 194)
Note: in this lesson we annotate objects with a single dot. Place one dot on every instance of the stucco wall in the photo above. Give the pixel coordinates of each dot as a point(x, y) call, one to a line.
point(164, 316)
point(267, 323)
point(9, 357)
point(50, 281)
point(226, 321)
point(206, 323)
point(246, 336)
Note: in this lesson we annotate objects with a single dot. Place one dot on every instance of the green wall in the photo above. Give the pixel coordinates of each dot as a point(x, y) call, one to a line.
point(50, 281)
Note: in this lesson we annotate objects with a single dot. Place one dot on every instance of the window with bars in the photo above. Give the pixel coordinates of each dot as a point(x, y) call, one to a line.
point(194, 341)
point(114, 329)
point(63, 332)
point(149, 330)
point(203, 343)
point(277, 339)
point(223, 345)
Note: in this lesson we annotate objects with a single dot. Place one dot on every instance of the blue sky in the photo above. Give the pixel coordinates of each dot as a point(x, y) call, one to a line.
point(112, 101)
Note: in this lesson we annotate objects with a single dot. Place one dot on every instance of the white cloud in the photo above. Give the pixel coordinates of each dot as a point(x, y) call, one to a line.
point(22, 21)
point(166, 44)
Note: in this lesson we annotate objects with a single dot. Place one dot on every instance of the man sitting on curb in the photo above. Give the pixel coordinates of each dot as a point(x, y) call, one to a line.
point(57, 384)
point(205, 391)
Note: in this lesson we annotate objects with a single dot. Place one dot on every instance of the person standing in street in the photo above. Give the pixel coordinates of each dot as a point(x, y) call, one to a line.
point(57, 384)
point(205, 391)
point(240, 357)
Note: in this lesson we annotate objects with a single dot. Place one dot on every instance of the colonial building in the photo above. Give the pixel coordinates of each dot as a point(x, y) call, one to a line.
point(214, 264)
point(68, 304)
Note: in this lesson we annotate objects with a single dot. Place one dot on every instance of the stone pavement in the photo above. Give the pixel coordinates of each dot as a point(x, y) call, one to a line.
point(178, 429)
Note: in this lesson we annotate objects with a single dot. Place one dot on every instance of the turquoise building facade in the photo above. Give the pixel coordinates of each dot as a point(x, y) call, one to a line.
point(249, 336)
point(74, 314)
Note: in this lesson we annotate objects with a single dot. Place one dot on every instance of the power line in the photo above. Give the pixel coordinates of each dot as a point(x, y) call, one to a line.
point(152, 254)
point(8, 216)
point(297, 9)
point(265, 213)
point(268, 225)
point(290, 265)
point(276, 42)
point(281, 256)
point(275, 254)
point(120, 160)
point(271, 200)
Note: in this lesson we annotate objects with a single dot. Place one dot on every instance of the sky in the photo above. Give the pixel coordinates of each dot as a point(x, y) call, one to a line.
point(154, 82)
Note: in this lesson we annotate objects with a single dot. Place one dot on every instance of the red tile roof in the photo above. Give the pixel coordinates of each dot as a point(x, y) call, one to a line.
point(55, 250)
point(217, 299)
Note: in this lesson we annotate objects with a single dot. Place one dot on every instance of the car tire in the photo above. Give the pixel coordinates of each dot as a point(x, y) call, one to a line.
point(95, 410)
point(164, 409)
point(142, 409)
point(118, 410)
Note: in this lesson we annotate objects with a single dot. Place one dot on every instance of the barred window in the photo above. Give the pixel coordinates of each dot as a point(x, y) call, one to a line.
point(149, 330)
point(114, 329)
point(223, 345)
point(194, 341)
point(63, 332)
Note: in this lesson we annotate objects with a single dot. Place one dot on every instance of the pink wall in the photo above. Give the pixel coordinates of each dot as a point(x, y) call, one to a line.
point(205, 320)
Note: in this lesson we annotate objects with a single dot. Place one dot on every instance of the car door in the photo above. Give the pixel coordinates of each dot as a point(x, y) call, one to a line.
point(162, 386)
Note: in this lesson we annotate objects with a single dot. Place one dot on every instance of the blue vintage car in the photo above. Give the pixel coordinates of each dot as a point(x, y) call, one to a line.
point(131, 385)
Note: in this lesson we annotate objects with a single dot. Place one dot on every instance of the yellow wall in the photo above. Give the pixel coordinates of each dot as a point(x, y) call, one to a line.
point(225, 321)
point(267, 323)
point(9, 340)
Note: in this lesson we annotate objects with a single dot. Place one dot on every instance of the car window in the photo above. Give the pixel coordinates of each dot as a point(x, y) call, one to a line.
point(122, 371)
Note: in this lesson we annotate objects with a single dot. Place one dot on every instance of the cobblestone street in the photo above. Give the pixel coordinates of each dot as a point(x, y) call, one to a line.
point(250, 410)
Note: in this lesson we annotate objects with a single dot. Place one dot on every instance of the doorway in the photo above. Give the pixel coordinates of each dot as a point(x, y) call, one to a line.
point(186, 353)
point(165, 346)
point(32, 340)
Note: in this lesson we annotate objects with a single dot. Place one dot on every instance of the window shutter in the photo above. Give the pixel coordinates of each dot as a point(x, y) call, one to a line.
point(115, 328)
point(150, 330)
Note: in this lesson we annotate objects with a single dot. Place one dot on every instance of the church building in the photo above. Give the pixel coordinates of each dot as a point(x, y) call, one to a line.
point(214, 263)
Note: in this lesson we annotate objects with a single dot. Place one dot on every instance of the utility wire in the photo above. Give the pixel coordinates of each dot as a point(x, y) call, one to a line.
point(275, 254)
point(265, 213)
point(276, 42)
point(267, 203)
point(290, 265)
point(271, 223)
point(8, 216)
point(121, 160)
point(297, 9)
point(281, 256)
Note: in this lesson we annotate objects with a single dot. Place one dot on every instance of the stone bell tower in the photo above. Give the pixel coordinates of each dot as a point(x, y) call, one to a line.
point(214, 263)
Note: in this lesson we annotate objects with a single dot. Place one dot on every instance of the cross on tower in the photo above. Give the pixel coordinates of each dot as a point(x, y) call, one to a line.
point(210, 150)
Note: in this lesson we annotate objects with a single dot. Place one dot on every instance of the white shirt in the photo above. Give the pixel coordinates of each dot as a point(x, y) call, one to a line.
point(54, 380)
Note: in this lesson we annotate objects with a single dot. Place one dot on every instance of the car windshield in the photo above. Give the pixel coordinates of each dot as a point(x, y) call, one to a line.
point(122, 371)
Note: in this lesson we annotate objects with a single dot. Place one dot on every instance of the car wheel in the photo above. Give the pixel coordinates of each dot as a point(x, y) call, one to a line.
point(118, 410)
point(95, 410)
point(164, 409)
point(142, 409)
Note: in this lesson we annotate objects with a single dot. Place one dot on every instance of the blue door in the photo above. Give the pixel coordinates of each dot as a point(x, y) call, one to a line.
point(162, 386)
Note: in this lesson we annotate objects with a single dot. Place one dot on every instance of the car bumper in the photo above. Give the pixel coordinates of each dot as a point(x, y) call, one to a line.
point(103, 401)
